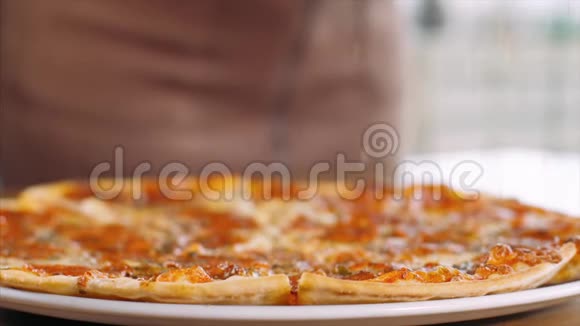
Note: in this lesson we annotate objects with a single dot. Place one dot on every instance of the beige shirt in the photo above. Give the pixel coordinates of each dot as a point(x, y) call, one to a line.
point(190, 81)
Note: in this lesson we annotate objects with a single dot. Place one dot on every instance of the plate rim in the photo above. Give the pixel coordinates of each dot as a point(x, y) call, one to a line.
point(14, 297)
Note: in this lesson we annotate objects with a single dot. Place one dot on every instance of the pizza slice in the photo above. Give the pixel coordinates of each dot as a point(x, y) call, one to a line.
point(503, 269)
point(178, 253)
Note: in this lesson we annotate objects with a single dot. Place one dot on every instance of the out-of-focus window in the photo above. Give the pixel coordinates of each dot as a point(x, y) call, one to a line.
point(486, 74)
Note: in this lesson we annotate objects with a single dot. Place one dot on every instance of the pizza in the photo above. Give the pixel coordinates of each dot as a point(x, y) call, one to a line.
point(267, 245)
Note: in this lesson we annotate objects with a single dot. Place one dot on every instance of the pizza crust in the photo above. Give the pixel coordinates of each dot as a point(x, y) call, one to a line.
point(319, 289)
point(9, 203)
point(267, 290)
point(569, 273)
point(57, 284)
point(37, 198)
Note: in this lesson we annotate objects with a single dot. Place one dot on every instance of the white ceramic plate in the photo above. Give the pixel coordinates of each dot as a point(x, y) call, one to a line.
point(425, 312)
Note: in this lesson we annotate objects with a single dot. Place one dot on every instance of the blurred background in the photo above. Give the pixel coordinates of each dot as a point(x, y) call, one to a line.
point(488, 74)
point(291, 81)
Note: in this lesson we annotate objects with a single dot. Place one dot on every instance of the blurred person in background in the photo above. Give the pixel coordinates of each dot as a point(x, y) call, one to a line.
point(191, 81)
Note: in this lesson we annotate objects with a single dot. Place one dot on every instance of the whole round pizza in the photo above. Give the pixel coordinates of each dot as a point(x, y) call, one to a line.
point(267, 245)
